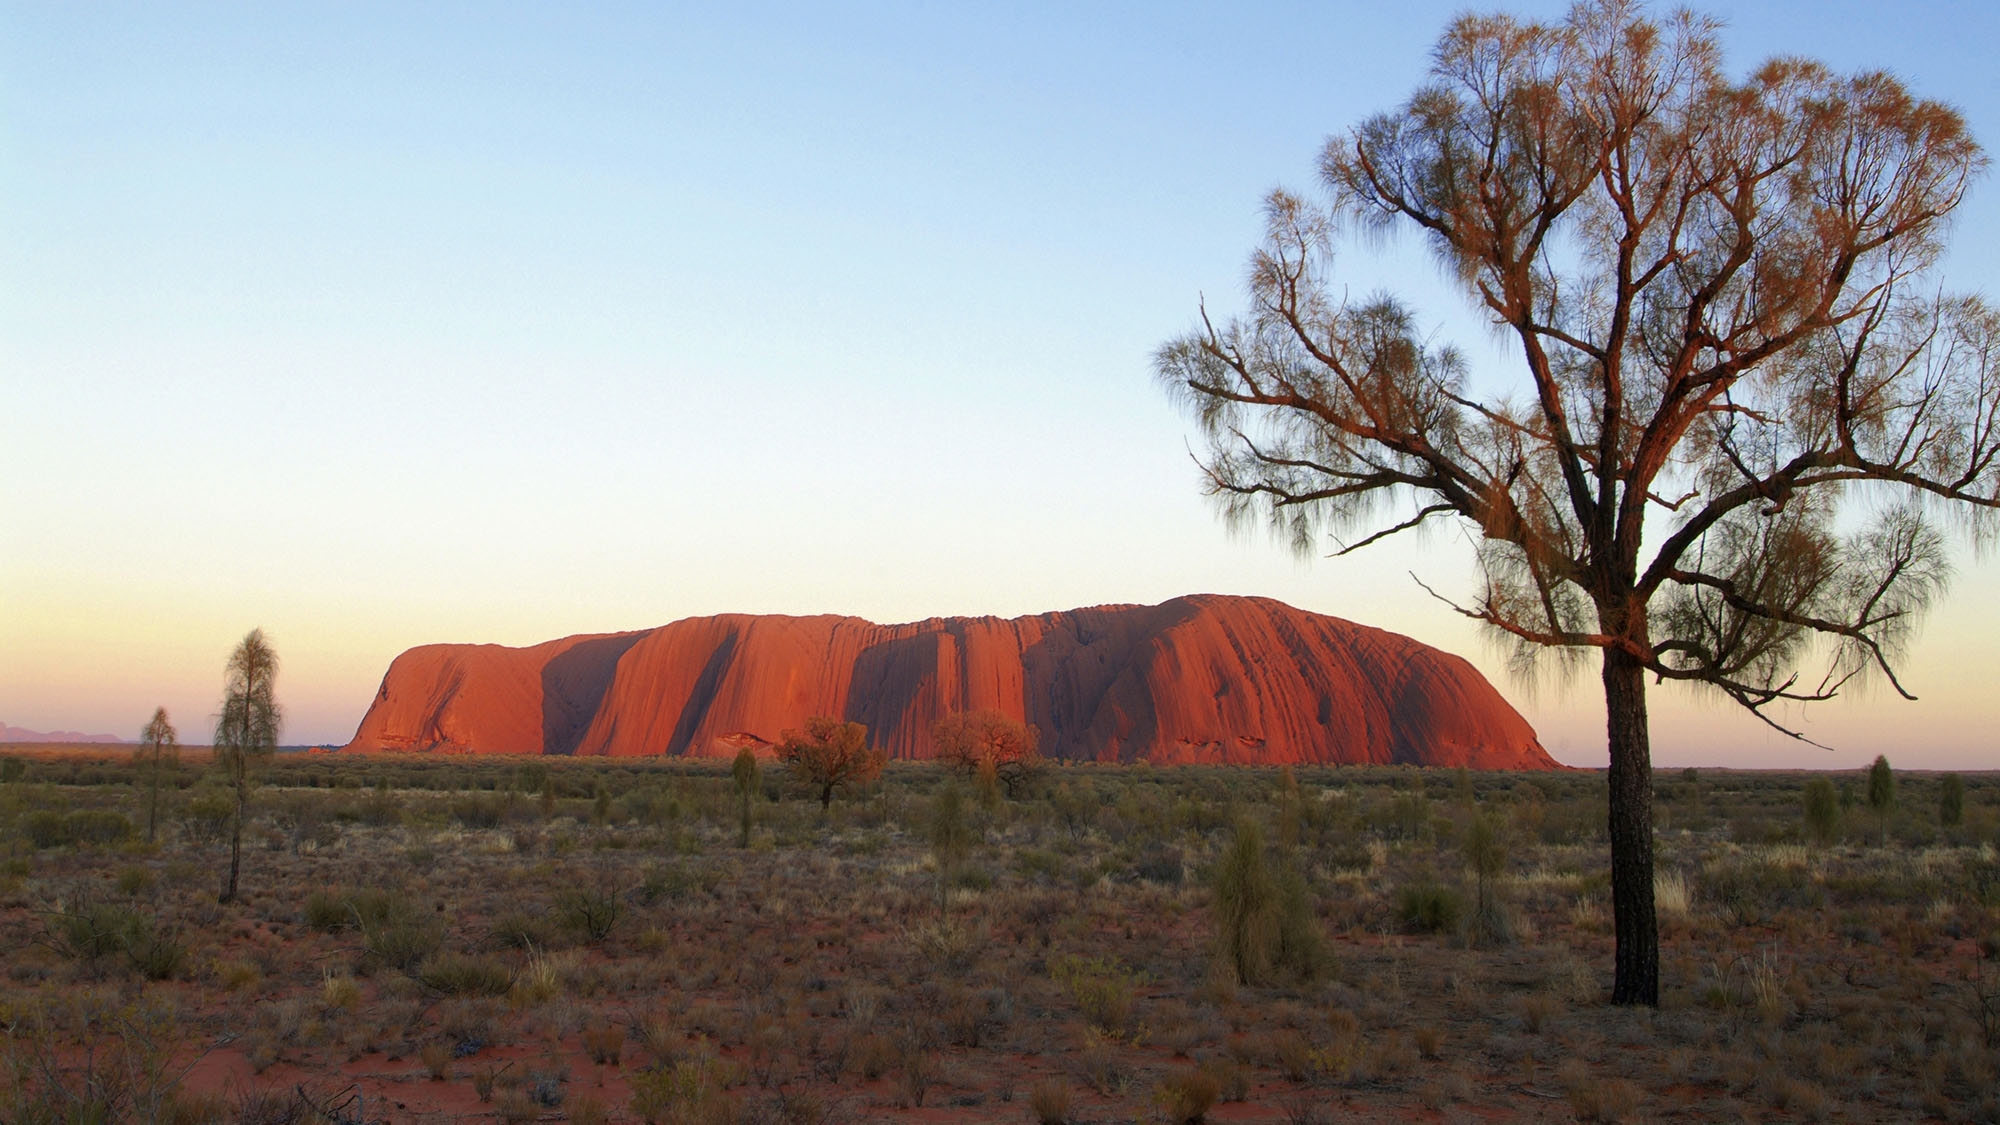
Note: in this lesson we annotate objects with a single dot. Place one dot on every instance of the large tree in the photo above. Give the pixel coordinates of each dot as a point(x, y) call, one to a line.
point(246, 733)
point(830, 755)
point(1720, 296)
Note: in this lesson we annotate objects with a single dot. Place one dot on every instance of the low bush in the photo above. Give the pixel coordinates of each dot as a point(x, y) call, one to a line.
point(1428, 906)
point(400, 943)
point(592, 913)
point(465, 974)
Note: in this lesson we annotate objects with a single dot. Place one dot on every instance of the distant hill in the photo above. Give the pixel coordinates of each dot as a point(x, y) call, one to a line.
point(23, 734)
point(1205, 678)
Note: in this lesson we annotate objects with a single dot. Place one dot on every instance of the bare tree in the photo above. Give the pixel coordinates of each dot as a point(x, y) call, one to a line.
point(1721, 296)
point(246, 733)
point(830, 755)
point(164, 746)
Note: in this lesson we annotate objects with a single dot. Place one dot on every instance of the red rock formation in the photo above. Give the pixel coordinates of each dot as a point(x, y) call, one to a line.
point(1198, 679)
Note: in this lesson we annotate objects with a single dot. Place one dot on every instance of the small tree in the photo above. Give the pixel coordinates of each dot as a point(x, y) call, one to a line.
point(744, 772)
point(246, 734)
point(1486, 855)
point(830, 756)
point(1246, 901)
point(989, 743)
point(1951, 801)
point(162, 747)
point(1882, 792)
point(1291, 808)
point(1822, 810)
point(951, 837)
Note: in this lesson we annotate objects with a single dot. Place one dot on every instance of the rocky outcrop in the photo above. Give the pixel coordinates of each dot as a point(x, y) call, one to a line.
point(1205, 678)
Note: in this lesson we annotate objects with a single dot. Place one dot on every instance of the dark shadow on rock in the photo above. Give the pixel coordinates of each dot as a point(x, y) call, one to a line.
point(1083, 688)
point(888, 678)
point(573, 687)
point(703, 695)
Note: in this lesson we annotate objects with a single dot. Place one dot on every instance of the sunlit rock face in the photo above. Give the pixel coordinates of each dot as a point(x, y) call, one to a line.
point(1205, 678)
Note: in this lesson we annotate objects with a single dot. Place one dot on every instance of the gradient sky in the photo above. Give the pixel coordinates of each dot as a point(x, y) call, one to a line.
point(376, 325)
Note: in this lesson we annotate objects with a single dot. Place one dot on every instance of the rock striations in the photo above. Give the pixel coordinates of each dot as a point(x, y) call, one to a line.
point(1205, 678)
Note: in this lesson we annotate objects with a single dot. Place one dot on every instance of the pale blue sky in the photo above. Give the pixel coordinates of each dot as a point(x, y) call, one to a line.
point(382, 324)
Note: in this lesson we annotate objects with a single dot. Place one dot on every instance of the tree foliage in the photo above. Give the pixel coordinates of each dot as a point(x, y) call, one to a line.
point(1719, 294)
point(1246, 901)
point(744, 772)
point(246, 733)
point(990, 742)
point(1951, 800)
point(1881, 786)
point(831, 755)
point(1822, 810)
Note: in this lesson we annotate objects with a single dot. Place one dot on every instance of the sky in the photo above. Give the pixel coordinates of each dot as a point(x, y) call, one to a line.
point(377, 325)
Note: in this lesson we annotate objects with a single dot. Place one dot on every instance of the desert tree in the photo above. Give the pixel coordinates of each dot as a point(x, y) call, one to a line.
point(1951, 800)
point(246, 733)
point(951, 838)
point(1739, 400)
point(1485, 851)
point(1822, 810)
point(161, 746)
point(1881, 793)
point(830, 755)
point(990, 744)
point(744, 772)
point(1245, 904)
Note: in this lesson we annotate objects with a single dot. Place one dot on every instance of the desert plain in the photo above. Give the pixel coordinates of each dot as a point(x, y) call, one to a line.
point(453, 938)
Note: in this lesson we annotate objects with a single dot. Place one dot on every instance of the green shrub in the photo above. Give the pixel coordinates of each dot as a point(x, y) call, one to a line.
point(134, 880)
point(1751, 892)
point(89, 930)
point(1101, 988)
point(1822, 810)
point(592, 913)
point(465, 974)
point(1428, 906)
point(1951, 800)
point(1298, 950)
point(400, 943)
point(520, 929)
point(353, 908)
point(1246, 902)
point(154, 953)
point(45, 828)
point(205, 818)
point(1185, 1096)
point(98, 826)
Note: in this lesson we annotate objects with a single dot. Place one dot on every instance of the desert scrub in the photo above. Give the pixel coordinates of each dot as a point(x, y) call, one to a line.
point(464, 974)
point(1101, 988)
point(605, 1045)
point(1428, 906)
point(330, 911)
point(1050, 1101)
point(690, 1091)
point(1752, 891)
point(400, 943)
point(1246, 901)
point(1186, 1095)
point(590, 912)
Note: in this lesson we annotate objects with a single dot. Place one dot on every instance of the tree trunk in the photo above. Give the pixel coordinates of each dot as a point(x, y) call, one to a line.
point(153, 800)
point(235, 849)
point(1636, 979)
